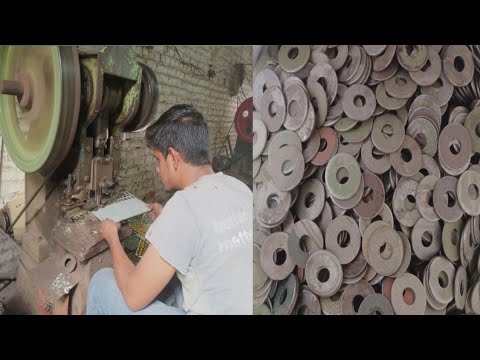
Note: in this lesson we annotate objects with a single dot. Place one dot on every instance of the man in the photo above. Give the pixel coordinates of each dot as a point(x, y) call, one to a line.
point(203, 234)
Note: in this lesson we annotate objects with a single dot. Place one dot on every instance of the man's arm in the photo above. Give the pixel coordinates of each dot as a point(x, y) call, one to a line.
point(141, 284)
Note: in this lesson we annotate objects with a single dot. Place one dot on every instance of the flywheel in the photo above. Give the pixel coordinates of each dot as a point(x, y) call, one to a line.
point(39, 104)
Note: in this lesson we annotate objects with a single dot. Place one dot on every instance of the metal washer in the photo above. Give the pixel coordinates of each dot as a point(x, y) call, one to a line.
point(286, 296)
point(468, 192)
point(345, 254)
point(445, 185)
point(385, 251)
point(375, 303)
point(275, 241)
point(323, 259)
point(273, 99)
point(408, 281)
point(361, 289)
point(312, 210)
point(335, 187)
point(428, 250)
point(350, 107)
point(293, 58)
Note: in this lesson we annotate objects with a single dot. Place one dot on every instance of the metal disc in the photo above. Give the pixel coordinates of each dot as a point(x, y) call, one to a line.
point(281, 139)
point(385, 251)
point(325, 218)
point(293, 58)
point(440, 280)
point(385, 214)
point(347, 250)
point(340, 188)
point(332, 305)
point(388, 133)
point(319, 100)
point(400, 86)
point(337, 56)
point(441, 90)
point(354, 295)
point(412, 57)
point(468, 192)
point(402, 283)
point(369, 231)
point(424, 195)
point(404, 209)
point(274, 245)
point(356, 267)
point(361, 109)
point(286, 167)
point(307, 304)
point(374, 50)
point(454, 158)
point(305, 239)
point(387, 101)
point(296, 99)
point(323, 273)
point(460, 287)
point(38, 134)
point(273, 108)
point(445, 195)
point(259, 137)
point(407, 160)
point(263, 80)
point(376, 165)
point(375, 304)
point(311, 147)
point(427, 101)
point(311, 199)
point(451, 239)
point(426, 77)
point(407, 256)
point(359, 132)
point(272, 204)
point(426, 135)
point(325, 72)
point(458, 65)
point(328, 146)
point(426, 239)
point(471, 124)
point(308, 126)
point(381, 62)
point(285, 296)
point(371, 204)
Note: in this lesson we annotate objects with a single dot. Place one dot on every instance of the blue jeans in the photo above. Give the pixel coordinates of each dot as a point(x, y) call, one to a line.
point(105, 298)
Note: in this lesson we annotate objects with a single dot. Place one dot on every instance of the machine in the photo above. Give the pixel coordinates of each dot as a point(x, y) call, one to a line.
point(238, 162)
point(62, 113)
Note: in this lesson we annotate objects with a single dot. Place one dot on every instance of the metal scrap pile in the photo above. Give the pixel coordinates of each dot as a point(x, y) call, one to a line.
point(366, 179)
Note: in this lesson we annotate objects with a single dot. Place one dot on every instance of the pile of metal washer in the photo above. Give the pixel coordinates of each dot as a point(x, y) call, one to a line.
point(366, 179)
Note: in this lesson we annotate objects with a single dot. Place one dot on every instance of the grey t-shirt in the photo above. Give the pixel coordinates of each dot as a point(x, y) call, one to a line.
point(205, 233)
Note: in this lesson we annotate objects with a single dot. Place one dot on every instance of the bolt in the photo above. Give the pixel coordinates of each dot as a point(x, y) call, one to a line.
point(11, 87)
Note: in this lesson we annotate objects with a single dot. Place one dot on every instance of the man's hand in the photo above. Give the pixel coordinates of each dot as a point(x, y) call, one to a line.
point(156, 210)
point(109, 230)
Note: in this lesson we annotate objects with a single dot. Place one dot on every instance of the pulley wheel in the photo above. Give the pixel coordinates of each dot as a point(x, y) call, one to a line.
point(39, 104)
point(244, 120)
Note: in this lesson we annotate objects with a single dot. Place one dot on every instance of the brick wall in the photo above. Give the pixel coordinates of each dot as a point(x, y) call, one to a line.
point(179, 83)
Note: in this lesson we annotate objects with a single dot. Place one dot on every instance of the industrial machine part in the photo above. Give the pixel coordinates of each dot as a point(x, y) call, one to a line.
point(62, 113)
point(238, 162)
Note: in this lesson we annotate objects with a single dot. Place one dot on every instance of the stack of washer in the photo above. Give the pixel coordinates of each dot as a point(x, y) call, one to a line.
point(366, 180)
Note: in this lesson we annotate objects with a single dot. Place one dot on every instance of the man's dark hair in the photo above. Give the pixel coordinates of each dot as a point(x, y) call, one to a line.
point(183, 128)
